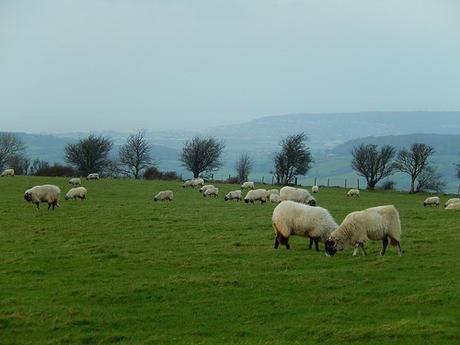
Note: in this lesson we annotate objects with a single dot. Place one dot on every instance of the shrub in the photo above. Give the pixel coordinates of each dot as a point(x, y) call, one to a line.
point(152, 173)
point(388, 185)
point(56, 170)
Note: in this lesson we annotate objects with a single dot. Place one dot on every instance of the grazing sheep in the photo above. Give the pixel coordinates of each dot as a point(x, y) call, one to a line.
point(75, 181)
point(164, 195)
point(376, 223)
point(76, 193)
point(7, 172)
point(315, 189)
point(298, 195)
point(247, 185)
point(194, 182)
point(203, 189)
point(47, 193)
point(234, 195)
point(453, 207)
point(273, 191)
point(211, 192)
point(293, 218)
point(93, 176)
point(275, 198)
point(452, 201)
point(256, 195)
point(353, 192)
point(434, 200)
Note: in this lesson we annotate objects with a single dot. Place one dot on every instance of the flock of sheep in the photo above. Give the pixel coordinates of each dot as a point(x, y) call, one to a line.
point(296, 213)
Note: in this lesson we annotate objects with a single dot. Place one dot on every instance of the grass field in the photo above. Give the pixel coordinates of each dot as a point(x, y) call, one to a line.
point(121, 269)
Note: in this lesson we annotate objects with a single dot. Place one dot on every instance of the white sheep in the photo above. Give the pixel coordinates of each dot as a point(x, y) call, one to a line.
point(7, 172)
point(234, 195)
point(46, 193)
point(377, 223)
point(256, 195)
point(247, 185)
point(203, 189)
point(433, 200)
point(293, 218)
point(93, 176)
point(273, 191)
point(164, 195)
point(452, 201)
point(275, 198)
point(315, 189)
point(75, 181)
point(194, 182)
point(76, 193)
point(453, 207)
point(353, 192)
point(211, 192)
point(297, 195)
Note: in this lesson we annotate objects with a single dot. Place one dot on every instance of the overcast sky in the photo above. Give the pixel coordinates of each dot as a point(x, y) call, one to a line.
point(82, 65)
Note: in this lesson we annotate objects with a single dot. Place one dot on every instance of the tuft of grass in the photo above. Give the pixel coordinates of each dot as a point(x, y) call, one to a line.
point(121, 269)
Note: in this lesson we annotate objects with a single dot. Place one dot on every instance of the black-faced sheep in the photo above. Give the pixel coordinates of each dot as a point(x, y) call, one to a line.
point(7, 172)
point(433, 200)
point(297, 195)
point(47, 193)
point(256, 195)
point(353, 192)
point(164, 195)
point(234, 195)
point(76, 193)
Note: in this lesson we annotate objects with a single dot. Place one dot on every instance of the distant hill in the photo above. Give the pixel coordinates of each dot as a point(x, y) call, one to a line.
point(444, 144)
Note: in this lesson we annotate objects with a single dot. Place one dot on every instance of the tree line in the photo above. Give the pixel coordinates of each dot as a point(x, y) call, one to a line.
point(203, 155)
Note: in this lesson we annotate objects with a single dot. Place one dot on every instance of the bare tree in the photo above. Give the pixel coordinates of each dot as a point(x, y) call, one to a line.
point(372, 164)
point(90, 154)
point(243, 166)
point(413, 161)
point(10, 147)
point(293, 159)
point(134, 156)
point(202, 155)
point(430, 180)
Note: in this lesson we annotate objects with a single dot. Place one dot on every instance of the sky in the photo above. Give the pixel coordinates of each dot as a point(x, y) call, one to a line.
point(91, 65)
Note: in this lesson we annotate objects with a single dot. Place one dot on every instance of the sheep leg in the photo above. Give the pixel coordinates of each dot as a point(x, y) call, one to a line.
point(311, 243)
point(276, 243)
point(355, 252)
point(38, 205)
point(384, 246)
point(316, 244)
point(361, 245)
point(49, 206)
point(398, 248)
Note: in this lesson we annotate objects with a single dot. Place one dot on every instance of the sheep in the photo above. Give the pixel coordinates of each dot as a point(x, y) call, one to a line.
point(164, 195)
point(256, 195)
point(273, 191)
point(194, 182)
point(234, 195)
point(76, 193)
point(293, 218)
point(298, 195)
point(75, 181)
point(203, 189)
point(211, 192)
point(247, 185)
point(452, 201)
point(7, 172)
point(45, 193)
point(275, 198)
point(376, 223)
point(434, 200)
point(315, 189)
point(453, 206)
point(353, 192)
point(93, 176)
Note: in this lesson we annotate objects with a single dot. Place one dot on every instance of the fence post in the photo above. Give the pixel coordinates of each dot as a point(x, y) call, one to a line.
point(458, 190)
point(315, 182)
point(358, 182)
point(345, 183)
point(295, 182)
point(328, 182)
point(263, 179)
point(272, 179)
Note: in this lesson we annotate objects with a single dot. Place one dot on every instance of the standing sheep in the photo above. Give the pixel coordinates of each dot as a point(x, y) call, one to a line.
point(453, 207)
point(452, 201)
point(75, 181)
point(256, 195)
point(315, 189)
point(211, 192)
point(47, 193)
point(203, 189)
point(247, 185)
point(353, 192)
point(434, 200)
point(194, 182)
point(275, 198)
point(164, 195)
point(377, 223)
point(293, 218)
point(7, 172)
point(297, 195)
point(76, 193)
point(93, 176)
point(234, 195)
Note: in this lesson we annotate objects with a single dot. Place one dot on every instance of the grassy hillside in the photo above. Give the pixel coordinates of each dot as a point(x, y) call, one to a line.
point(121, 269)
